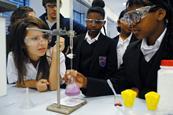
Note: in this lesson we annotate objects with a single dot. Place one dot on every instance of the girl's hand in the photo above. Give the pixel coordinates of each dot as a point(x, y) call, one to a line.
point(62, 43)
point(41, 85)
point(136, 90)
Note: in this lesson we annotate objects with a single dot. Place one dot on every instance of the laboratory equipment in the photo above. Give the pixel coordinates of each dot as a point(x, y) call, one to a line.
point(26, 102)
point(164, 85)
point(4, 7)
point(58, 107)
point(117, 103)
point(152, 100)
point(72, 89)
point(3, 79)
point(129, 97)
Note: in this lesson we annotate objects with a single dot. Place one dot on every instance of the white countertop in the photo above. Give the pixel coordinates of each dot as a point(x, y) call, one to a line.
point(11, 104)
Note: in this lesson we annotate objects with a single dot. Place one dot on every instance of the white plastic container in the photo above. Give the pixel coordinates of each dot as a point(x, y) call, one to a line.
point(165, 86)
point(3, 80)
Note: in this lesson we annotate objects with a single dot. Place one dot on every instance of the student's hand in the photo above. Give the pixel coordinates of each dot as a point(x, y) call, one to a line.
point(79, 78)
point(136, 90)
point(54, 52)
point(41, 85)
point(62, 43)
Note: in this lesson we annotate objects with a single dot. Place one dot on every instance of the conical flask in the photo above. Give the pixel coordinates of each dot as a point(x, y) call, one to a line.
point(72, 89)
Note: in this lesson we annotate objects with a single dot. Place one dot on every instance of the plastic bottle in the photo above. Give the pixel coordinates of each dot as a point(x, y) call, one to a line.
point(165, 86)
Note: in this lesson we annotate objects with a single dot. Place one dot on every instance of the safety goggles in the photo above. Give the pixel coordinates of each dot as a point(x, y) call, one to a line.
point(135, 16)
point(45, 37)
point(95, 21)
point(37, 39)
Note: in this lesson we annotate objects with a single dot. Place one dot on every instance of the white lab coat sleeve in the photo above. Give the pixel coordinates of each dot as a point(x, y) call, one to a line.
point(62, 65)
point(12, 74)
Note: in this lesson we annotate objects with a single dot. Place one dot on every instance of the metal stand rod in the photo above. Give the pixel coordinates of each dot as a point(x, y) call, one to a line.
point(58, 51)
point(57, 107)
point(71, 33)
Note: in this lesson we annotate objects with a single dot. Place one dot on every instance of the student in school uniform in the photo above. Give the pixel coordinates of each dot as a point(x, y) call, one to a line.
point(49, 17)
point(28, 63)
point(124, 38)
point(152, 22)
point(95, 55)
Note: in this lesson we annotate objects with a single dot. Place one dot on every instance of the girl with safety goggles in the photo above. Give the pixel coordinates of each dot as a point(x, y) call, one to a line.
point(28, 62)
point(151, 21)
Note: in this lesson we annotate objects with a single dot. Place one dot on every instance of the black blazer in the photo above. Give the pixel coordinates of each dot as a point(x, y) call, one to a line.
point(128, 75)
point(104, 47)
point(131, 67)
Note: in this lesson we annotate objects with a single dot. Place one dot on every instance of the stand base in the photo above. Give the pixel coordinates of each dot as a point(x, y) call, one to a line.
point(64, 109)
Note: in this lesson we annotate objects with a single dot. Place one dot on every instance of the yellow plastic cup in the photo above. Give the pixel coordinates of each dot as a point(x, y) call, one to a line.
point(128, 97)
point(152, 99)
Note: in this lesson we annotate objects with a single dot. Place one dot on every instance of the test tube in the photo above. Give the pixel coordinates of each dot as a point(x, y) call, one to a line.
point(71, 33)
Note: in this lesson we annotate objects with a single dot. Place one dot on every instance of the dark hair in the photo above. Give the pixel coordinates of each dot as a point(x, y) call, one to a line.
point(166, 4)
point(122, 13)
point(97, 6)
point(120, 16)
point(44, 2)
point(20, 13)
point(137, 2)
point(19, 48)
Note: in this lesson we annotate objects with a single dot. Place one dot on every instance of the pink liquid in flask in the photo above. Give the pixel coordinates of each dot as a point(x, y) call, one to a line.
point(72, 89)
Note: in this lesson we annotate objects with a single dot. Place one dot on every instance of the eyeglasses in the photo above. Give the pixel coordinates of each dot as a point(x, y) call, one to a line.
point(50, 5)
point(37, 39)
point(95, 21)
point(135, 16)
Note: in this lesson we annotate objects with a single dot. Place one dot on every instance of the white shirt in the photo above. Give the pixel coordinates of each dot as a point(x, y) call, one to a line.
point(12, 73)
point(91, 40)
point(149, 51)
point(121, 48)
point(50, 24)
